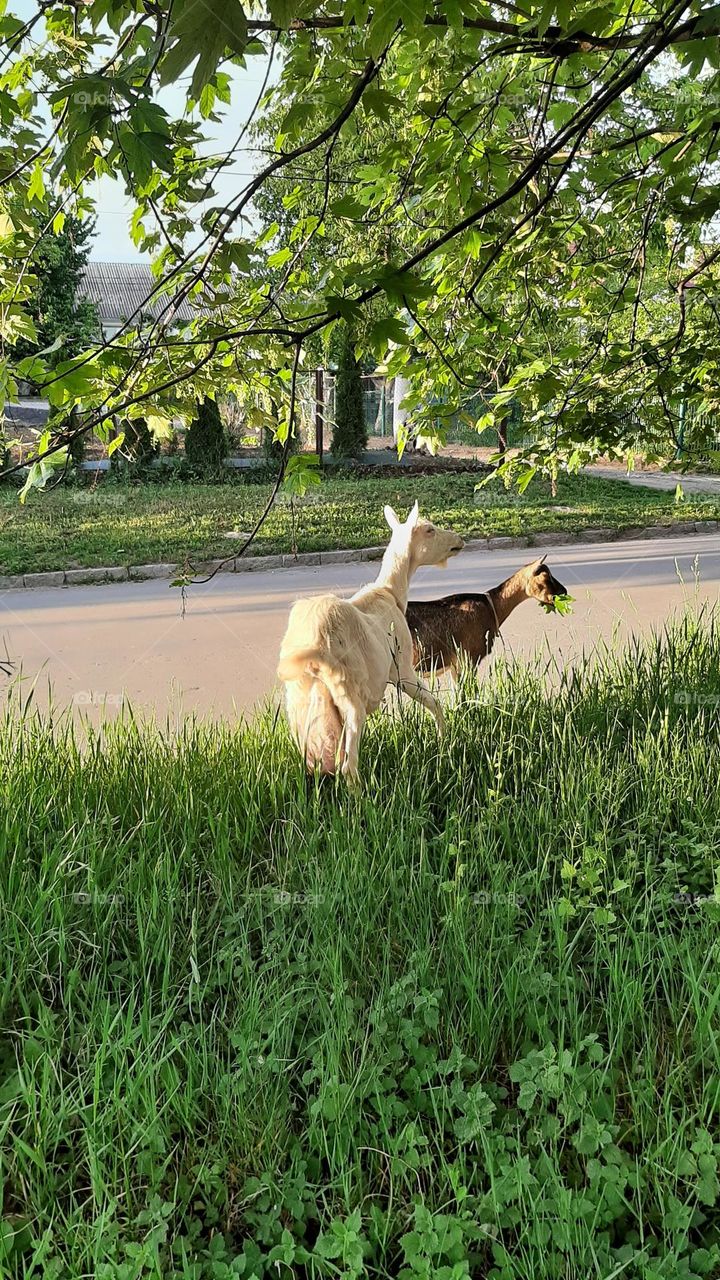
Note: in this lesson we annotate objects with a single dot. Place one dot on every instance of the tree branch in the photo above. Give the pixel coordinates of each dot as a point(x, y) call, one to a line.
point(555, 41)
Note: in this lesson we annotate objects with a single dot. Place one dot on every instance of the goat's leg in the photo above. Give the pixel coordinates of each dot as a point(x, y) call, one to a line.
point(354, 716)
point(412, 685)
point(410, 681)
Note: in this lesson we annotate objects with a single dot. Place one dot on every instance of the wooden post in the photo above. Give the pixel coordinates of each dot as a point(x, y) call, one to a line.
point(319, 414)
point(502, 438)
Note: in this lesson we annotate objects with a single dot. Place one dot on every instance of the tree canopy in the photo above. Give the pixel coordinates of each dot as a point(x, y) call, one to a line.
point(64, 321)
point(516, 196)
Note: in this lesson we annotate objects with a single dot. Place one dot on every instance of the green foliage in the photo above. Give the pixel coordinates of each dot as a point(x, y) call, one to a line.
point(523, 199)
point(205, 442)
point(561, 604)
point(350, 434)
point(332, 996)
point(301, 474)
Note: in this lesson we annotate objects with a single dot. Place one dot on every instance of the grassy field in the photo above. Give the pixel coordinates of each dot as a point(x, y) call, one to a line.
point(128, 523)
point(464, 1023)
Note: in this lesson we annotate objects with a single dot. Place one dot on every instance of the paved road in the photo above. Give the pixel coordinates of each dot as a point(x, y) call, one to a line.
point(96, 645)
point(667, 480)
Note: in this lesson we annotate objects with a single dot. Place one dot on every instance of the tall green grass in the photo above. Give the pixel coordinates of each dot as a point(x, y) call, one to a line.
point(463, 1023)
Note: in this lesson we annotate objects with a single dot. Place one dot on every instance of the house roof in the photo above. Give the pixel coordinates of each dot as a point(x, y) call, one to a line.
point(120, 289)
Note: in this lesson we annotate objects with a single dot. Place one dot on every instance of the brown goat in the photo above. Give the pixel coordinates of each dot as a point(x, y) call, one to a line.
point(444, 630)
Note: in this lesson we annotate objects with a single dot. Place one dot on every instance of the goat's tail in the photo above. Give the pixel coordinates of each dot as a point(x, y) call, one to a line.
point(314, 663)
point(316, 719)
point(302, 662)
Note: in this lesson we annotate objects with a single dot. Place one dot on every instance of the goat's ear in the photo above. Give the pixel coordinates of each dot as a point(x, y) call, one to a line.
point(391, 518)
point(414, 516)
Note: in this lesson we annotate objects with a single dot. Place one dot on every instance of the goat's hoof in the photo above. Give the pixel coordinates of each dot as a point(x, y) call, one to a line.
point(351, 776)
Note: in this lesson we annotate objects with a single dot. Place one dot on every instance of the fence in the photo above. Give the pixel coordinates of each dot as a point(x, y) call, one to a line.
point(646, 426)
point(379, 404)
point(674, 429)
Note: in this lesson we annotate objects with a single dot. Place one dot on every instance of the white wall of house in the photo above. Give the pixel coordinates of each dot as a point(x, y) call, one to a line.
point(401, 387)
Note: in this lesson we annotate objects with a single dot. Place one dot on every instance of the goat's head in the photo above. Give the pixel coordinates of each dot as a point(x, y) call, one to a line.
point(541, 584)
point(423, 540)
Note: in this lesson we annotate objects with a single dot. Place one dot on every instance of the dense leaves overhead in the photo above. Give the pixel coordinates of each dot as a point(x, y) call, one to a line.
point(516, 198)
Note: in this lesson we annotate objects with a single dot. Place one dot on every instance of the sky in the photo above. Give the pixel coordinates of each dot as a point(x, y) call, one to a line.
point(114, 209)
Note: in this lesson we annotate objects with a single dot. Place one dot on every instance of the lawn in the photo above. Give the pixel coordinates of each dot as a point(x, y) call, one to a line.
point(125, 523)
point(464, 1023)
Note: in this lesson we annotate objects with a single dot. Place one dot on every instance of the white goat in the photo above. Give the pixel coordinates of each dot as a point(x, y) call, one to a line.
point(338, 656)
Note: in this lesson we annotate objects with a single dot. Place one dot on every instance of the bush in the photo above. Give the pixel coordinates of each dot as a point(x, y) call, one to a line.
point(274, 449)
point(350, 434)
point(205, 443)
point(4, 451)
point(76, 448)
point(139, 445)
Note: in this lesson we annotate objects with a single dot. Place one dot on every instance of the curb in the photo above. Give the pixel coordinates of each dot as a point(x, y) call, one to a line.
point(254, 564)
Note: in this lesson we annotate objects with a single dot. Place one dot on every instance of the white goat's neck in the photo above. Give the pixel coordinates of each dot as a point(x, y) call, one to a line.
point(508, 595)
point(397, 569)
